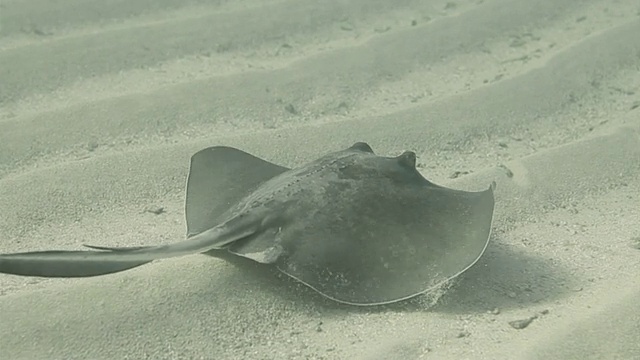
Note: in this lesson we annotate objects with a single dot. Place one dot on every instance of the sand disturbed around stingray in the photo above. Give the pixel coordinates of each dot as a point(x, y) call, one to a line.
point(102, 106)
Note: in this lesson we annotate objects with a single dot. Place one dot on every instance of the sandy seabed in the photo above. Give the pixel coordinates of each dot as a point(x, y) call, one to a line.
point(103, 102)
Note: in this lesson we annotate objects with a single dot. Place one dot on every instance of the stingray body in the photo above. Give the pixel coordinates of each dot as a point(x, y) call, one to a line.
point(356, 227)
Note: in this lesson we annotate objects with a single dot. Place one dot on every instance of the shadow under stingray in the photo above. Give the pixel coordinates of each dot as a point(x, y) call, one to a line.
point(503, 278)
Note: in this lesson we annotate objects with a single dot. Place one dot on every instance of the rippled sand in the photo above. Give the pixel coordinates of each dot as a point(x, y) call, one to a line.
point(102, 104)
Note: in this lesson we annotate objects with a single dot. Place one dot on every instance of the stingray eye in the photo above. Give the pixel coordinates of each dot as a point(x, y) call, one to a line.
point(362, 146)
point(408, 159)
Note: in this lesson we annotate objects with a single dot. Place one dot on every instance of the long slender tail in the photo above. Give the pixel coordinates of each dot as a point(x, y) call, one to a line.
point(112, 260)
point(63, 264)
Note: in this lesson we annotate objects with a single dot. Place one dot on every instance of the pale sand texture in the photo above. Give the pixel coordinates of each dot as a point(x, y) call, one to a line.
point(102, 103)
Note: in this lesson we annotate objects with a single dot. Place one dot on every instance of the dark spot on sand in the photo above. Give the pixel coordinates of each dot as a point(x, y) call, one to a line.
point(522, 323)
point(156, 210)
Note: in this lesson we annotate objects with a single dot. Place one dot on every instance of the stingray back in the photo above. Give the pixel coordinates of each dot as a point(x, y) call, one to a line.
point(218, 178)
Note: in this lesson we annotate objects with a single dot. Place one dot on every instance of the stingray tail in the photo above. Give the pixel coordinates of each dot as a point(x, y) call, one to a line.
point(65, 264)
point(111, 248)
point(108, 260)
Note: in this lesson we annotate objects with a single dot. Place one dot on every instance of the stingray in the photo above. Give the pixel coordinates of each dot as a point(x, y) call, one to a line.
point(356, 227)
